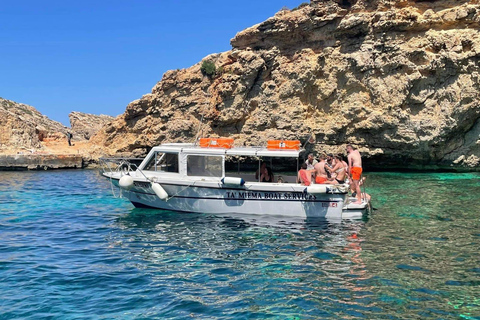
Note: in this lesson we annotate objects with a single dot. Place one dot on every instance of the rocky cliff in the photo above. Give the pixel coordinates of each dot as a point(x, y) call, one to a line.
point(399, 79)
point(86, 124)
point(23, 127)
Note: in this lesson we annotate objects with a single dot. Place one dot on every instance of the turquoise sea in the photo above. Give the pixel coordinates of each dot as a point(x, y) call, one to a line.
point(70, 250)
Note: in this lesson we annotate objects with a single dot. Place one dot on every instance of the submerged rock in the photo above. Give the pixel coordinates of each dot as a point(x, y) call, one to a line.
point(399, 79)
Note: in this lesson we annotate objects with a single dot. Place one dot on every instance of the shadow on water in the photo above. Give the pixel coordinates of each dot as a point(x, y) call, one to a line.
point(147, 218)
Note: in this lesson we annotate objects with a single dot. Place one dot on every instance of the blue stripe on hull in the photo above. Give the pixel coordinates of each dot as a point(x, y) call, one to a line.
point(242, 199)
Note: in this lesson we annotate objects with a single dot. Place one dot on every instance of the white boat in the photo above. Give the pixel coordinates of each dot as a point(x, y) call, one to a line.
point(187, 177)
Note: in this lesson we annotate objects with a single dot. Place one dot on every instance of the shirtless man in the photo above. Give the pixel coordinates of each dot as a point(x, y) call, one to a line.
point(355, 170)
point(330, 163)
point(320, 173)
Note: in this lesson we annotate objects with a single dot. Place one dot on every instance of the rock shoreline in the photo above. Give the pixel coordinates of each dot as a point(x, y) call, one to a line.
point(400, 80)
point(20, 162)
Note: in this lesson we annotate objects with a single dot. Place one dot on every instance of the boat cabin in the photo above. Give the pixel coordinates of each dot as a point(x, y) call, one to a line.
point(214, 162)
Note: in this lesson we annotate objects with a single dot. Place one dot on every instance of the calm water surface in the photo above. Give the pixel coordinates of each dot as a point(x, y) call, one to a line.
point(70, 250)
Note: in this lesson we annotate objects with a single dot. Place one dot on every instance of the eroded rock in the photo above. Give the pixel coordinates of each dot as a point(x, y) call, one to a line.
point(22, 127)
point(86, 125)
point(400, 79)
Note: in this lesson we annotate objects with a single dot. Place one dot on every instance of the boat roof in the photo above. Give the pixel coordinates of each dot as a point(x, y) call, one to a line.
point(236, 151)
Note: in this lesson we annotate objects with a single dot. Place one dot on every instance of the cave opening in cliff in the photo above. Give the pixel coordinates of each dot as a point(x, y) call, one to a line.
point(346, 4)
point(40, 135)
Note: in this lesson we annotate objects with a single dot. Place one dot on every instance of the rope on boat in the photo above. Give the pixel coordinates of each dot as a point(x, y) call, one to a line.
point(200, 125)
point(176, 194)
point(119, 168)
point(113, 190)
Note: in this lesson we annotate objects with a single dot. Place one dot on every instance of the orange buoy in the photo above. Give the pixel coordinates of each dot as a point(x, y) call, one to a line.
point(283, 145)
point(225, 143)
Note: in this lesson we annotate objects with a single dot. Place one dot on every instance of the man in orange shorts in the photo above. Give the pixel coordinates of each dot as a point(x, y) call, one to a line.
point(320, 173)
point(355, 170)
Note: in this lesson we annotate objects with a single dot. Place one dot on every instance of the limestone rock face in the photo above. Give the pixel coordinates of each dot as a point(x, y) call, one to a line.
point(23, 127)
point(399, 79)
point(86, 125)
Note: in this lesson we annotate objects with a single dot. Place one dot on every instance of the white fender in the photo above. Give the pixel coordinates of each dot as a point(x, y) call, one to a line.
point(233, 181)
point(159, 191)
point(126, 182)
point(317, 188)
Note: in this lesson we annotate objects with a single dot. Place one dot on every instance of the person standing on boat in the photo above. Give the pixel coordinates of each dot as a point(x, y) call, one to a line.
point(355, 170)
point(320, 173)
point(311, 162)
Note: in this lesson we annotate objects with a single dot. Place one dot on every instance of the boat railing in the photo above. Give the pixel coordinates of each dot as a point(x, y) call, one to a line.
point(125, 165)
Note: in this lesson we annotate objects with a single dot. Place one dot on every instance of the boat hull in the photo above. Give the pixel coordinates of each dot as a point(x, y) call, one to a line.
point(223, 200)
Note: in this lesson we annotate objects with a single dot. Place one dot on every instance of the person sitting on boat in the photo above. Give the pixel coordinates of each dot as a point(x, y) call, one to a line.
point(304, 176)
point(330, 163)
point(320, 173)
point(265, 173)
point(330, 160)
point(311, 162)
point(339, 170)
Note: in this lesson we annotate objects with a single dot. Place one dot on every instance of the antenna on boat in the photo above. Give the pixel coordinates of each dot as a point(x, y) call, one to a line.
point(199, 126)
point(311, 140)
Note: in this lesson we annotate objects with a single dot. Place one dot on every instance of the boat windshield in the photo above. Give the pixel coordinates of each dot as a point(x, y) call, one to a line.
point(160, 161)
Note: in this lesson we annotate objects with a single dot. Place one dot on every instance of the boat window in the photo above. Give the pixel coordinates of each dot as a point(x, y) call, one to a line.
point(205, 166)
point(166, 162)
point(283, 169)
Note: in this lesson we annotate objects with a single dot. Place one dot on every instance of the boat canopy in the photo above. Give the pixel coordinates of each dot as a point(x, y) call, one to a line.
point(190, 148)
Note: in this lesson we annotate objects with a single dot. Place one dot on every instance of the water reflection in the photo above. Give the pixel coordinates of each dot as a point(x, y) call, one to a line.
point(416, 257)
point(389, 264)
point(269, 262)
point(420, 244)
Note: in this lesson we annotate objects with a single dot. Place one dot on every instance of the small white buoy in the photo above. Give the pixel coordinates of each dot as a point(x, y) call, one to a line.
point(126, 182)
point(159, 191)
point(317, 188)
point(233, 181)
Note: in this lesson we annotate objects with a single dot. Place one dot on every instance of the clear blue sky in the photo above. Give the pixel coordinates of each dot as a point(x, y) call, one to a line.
point(97, 56)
